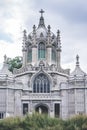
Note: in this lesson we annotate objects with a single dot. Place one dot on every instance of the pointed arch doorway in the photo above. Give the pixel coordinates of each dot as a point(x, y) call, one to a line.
point(42, 109)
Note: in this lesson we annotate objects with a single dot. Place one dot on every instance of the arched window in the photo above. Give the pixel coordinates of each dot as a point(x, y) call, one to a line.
point(41, 84)
point(41, 50)
point(53, 53)
point(29, 54)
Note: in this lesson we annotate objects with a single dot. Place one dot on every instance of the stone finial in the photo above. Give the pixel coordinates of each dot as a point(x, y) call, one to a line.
point(58, 32)
point(77, 60)
point(24, 32)
point(34, 34)
point(58, 39)
point(34, 29)
point(24, 41)
point(49, 28)
point(58, 35)
point(24, 36)
point(5, 58)
point(49, 35)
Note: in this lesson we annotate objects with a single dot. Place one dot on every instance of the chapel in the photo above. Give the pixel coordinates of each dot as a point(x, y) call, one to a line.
point(41, 84)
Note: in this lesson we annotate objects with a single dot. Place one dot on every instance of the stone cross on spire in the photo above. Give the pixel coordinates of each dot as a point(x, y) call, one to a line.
point(41, 11)
point(41, 21)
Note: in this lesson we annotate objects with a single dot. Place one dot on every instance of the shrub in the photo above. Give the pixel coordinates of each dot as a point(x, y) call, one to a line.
point(43, 122)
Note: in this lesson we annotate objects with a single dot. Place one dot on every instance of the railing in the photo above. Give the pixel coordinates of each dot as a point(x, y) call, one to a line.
point(30, 68)
point(5, 77)
point(77, 78)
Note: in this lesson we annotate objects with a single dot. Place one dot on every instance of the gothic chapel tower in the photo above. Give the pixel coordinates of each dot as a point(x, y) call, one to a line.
point(41, 45)
point(42, 69)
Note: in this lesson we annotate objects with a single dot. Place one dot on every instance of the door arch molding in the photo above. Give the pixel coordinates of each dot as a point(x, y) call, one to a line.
point(42, 108)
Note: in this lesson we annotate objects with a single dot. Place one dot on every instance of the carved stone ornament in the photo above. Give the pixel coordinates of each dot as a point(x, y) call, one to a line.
point(54, 80)
point(29, 79)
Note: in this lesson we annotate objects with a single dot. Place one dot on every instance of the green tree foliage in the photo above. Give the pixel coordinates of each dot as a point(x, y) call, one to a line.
point(14, 63)
point(43, 122)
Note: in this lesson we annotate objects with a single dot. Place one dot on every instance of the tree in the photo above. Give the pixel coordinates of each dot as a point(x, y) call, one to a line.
point(14, 63)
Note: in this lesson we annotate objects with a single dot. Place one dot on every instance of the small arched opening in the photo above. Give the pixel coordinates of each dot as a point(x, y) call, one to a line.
point(42, 109)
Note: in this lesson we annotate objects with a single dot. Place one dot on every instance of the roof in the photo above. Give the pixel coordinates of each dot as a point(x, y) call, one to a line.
point(77, 71)
point(41, 31)
point(5, 71)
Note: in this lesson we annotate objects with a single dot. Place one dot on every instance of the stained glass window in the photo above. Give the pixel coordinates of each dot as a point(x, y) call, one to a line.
point(41, 50)
point(30, 54)
point(41, 84)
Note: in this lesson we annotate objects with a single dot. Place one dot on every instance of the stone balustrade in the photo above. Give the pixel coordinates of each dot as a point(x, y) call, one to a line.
point(30, 68)
point(41, 96)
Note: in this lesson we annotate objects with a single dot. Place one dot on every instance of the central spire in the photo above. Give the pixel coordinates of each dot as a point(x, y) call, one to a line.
point(77, 60)
point(41, 21)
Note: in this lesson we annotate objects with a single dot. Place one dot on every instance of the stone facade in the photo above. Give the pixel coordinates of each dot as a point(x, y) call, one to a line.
point(41, 84)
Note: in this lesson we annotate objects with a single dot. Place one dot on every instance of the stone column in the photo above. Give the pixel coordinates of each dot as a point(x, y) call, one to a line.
point(58, 58)
point(7, 114)
point(24, 50)
point(58, 50)
point(34, 47)
point(34, 54)
point(49, 46)
point(49, 54)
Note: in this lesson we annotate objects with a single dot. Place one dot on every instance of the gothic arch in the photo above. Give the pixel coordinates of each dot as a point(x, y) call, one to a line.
point(42, 108)
point(42, 104)
point(41, 83)
point(41, 50)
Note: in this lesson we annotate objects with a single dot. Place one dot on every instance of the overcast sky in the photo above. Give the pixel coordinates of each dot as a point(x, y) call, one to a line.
point(69, 16)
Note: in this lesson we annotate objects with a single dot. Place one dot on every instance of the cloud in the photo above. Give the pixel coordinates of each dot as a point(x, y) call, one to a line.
point(73, 11)
point(13, 17)
point(5, 37)
point(11, 50)
point(70, 16)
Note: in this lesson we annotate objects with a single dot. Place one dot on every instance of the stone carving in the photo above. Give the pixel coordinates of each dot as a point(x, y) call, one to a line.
point(40, 110)
point(54, 79)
